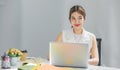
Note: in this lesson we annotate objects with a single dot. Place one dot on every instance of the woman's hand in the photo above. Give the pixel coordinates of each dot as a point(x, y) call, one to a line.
point(93, 61)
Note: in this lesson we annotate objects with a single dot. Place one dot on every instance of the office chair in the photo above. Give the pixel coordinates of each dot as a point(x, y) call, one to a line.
point(99, 49)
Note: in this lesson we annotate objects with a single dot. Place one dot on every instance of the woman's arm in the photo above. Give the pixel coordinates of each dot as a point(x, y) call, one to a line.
point(59, 37)
point(94, 52)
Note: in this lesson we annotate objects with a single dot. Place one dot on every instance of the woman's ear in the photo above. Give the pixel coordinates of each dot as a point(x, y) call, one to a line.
point(84, 21)
point(71, 24)
point(69, 20)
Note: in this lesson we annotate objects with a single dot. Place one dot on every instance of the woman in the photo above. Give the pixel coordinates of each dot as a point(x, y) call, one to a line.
point(78, 34)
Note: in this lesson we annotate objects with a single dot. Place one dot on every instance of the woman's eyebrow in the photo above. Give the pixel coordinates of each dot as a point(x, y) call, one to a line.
point(72, 17)
point(80, 16)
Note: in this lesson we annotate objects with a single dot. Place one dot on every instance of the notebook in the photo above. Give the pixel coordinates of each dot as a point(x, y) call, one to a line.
point(69, 54)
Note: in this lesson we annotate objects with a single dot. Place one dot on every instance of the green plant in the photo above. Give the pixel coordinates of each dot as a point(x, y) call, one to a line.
point(13, 52)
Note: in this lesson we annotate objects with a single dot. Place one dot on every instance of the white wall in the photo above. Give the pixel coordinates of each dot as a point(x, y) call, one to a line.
point(31, 25)
point(41, 23)
point(10, 24)
point(114, 40)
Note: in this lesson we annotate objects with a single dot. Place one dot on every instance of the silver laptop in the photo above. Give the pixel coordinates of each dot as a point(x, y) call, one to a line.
point(69, 54)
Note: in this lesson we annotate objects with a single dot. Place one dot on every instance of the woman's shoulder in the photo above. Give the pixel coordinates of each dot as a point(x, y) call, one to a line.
point(67, 31)
point(90, 33)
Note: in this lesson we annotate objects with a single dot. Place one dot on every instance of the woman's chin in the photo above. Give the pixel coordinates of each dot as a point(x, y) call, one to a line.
point(77, 28)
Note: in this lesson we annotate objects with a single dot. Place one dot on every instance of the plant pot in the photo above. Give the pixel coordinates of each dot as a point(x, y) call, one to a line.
point(13, 61)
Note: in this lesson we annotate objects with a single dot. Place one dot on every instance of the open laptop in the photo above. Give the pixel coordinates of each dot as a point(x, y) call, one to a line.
point(69, 54)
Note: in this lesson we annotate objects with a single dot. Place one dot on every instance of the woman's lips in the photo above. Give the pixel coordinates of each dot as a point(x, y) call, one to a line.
point(76, 25)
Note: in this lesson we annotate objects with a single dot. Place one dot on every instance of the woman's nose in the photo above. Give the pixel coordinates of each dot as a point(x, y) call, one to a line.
point(77, 21)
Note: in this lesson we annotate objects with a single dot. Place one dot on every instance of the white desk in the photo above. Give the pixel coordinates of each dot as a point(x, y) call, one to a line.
point(90, 67)
point(102, 68)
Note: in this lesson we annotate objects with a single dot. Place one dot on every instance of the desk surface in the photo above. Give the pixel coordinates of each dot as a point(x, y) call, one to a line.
point(50, 67)
point(46, 66)
point(90, 67)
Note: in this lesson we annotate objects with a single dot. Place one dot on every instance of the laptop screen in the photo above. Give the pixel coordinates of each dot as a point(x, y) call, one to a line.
point(69, 54)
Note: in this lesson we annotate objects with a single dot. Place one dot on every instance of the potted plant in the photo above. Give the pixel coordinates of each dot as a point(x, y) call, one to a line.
point(14, 55)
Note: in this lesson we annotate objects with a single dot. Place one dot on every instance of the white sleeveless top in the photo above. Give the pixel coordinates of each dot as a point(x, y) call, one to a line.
point(71, 37)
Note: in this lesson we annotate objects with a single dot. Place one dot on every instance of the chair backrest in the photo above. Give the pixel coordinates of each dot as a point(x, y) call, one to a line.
point(99, 49)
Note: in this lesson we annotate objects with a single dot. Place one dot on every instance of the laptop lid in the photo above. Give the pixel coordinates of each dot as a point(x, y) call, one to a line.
point(69, 54)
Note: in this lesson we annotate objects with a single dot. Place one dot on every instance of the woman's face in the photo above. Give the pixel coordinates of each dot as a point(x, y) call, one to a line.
point(77, 20)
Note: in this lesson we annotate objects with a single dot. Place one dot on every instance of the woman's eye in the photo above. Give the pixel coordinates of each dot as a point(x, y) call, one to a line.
point(80, 18)
point(73, 18)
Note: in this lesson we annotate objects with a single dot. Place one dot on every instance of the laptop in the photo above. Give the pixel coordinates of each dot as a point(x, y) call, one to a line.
point(69, 54)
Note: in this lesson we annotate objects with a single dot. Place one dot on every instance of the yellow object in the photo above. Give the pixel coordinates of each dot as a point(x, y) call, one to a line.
point(13, 52)
point(37, 67)
point(24, 56)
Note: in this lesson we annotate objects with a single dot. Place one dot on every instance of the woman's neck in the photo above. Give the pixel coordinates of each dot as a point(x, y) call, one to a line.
point(78, 31)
